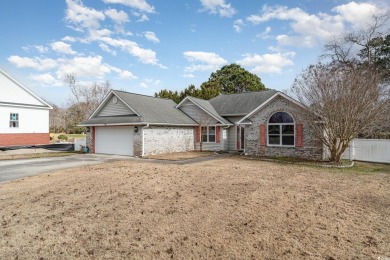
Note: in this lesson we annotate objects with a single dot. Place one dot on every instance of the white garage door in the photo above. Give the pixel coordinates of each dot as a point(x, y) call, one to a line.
point(114, 140)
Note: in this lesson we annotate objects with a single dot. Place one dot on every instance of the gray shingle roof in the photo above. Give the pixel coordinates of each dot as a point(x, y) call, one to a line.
point(151, 109)
point(205, 104)
point(101, 120)
point(240, 104)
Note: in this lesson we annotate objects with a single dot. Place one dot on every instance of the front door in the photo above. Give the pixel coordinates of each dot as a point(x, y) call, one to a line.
point(240, 138)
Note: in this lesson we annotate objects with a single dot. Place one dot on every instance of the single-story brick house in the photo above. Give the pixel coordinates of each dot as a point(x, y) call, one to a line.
point(263, 123)
point(24, 117)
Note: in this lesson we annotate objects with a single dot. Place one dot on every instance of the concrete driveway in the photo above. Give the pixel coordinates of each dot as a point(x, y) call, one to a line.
point(15, 169)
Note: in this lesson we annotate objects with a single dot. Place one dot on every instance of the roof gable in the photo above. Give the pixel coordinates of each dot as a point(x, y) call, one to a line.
point(13, 93)
point(206, 107)
point(269, 100)
point(147, 109)
point(113, 105)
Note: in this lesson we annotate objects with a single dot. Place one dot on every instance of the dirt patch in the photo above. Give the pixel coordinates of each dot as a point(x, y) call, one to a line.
point(179, 156)
point(220, 209)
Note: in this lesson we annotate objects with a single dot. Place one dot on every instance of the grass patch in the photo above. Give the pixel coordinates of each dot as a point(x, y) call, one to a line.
point(342, 166)
point(71, 137)
point(366, 167)
point(34, 155)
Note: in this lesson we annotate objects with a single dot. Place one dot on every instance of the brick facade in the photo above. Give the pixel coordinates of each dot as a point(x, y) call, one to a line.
point(308, 147)
point(168, 139)
point(24, 139)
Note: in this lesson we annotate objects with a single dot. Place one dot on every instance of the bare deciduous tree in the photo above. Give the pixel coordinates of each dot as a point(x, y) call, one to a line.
point(357, 45)
point(342, 101)
point(84, 100)
point(57, 119)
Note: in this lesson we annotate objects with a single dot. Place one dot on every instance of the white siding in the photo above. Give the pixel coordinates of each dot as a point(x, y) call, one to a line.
point(31, 120)
point(232, 138)
point(210, 146)
point(197, 113)
point(225, 138)
point(13, 93)
point(112, 109)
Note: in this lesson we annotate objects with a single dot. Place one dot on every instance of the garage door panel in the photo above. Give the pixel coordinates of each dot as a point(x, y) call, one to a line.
point(114, 140)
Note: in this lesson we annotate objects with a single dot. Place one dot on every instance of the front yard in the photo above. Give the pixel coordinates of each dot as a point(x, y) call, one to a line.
point(225, 209)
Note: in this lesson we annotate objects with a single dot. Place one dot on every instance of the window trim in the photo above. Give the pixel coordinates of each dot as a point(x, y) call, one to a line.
point(208, 134)
point(10, 121)
point(280, 131)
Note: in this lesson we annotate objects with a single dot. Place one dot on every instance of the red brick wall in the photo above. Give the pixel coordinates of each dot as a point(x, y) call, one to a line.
point(24, 139)
point(93, 140)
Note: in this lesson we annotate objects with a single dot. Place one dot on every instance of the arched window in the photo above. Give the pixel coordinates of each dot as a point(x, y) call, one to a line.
point(281, 130)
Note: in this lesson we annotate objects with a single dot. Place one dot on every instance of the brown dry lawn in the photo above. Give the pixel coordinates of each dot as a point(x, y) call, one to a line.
point(179, 156)
point(221, 209)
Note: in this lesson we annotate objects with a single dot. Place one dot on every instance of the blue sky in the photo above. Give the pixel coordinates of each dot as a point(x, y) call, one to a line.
point(143, 46)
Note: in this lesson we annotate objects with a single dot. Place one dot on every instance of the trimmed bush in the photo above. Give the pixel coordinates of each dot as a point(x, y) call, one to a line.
point(62, 137)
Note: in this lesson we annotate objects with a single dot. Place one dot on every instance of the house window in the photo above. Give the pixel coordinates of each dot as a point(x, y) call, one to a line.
point(14, 120)
point(208, 134)
point(281, 130)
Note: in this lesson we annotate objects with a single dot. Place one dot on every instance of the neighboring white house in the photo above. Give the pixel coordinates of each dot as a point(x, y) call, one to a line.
point(24, 117)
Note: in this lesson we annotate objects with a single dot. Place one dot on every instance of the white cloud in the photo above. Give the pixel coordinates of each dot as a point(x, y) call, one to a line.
point(358, 14)
point(299, 41)
point(218, 7)
point(47, 79)
point(265, 35)
point(151, 36)
point(90, 66)
point(85, 16)
point(209, 61)
point(34, 63)
point(320, 27)
point(150, 83)
point(141, 5)
point(62, 47)
point(143, 18)
point(146, 56)
point(118, 17)
point(68, 39)
point(238, 24)
point(188, 75)
point(41, 48)
point(107, 49)
point(310, 29)
point(123, 74)
point(267, 63)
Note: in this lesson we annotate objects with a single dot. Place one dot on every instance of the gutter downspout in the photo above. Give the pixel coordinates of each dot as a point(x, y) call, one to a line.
point(143, 139)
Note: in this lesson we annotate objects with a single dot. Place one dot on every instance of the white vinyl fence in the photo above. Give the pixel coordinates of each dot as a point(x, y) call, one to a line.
point(369, 150)
point(78, 143)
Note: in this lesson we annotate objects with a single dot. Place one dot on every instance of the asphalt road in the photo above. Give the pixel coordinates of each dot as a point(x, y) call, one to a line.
point(15, 169)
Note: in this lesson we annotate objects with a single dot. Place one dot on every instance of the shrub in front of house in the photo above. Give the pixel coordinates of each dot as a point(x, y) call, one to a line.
point(62, 137)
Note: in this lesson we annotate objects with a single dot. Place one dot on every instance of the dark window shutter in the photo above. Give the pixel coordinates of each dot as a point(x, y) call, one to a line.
point(262, 135)
point(299, 142)
point(197, 133)
point(218, 134)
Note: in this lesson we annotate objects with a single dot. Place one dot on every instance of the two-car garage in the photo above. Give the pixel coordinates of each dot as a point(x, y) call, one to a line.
point(114, 140)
